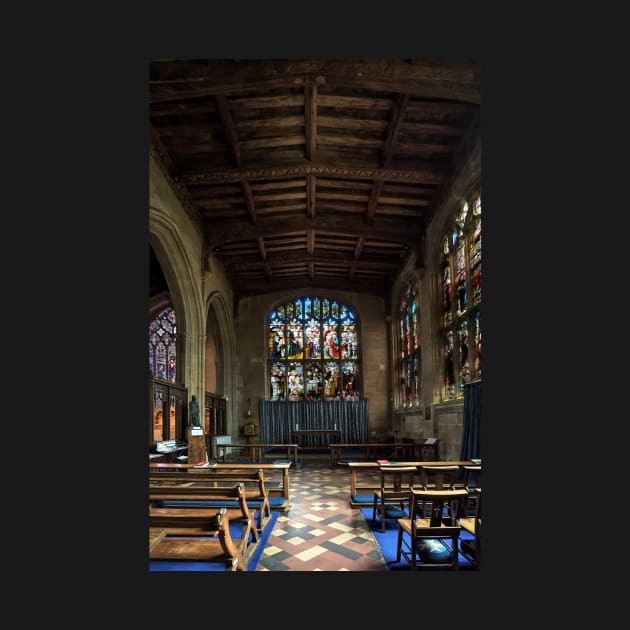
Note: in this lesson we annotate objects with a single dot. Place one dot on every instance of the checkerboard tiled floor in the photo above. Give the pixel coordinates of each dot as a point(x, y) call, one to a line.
point(321, 532)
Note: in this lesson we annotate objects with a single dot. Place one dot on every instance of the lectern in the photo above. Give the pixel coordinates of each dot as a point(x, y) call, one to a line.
point(197, 442)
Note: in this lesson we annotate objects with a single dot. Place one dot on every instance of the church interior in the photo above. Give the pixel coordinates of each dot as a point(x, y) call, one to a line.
point(315, 297)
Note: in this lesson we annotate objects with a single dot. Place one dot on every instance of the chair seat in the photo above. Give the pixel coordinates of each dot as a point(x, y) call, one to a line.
point(468, 523)
point(427, 530)
point(392, 495)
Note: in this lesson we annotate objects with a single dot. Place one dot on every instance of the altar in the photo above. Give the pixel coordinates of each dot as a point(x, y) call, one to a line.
point(315, 437)
point(314, 423)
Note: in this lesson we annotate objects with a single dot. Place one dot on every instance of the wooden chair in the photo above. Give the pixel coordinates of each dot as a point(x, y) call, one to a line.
point(431, 541)
point(439, 477)
point(395, 482)
point(471, 547)
point(472, 477)
point(471, 481)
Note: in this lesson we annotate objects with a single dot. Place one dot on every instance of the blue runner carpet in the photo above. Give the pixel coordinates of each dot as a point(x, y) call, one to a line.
point(387, 542)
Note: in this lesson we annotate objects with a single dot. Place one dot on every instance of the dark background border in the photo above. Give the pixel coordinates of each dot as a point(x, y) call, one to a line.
point(90, 195)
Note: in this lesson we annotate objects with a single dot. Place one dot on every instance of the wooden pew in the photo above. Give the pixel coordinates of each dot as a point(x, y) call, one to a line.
point(256, 452)
point(257, 496)
point(155, 535)
point(190, 497)
point(223, 549)
point(371, 451)
point(188, 520)
point(283, 490)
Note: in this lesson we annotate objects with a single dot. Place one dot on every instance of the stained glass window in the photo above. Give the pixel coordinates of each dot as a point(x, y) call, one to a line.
point(409, 342)
point(461, 300)
point(162, 341)
point(313, 349)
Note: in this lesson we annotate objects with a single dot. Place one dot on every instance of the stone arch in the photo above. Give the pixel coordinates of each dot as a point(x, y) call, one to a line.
point(219, 319)
point(174, 258)
point(347, 298)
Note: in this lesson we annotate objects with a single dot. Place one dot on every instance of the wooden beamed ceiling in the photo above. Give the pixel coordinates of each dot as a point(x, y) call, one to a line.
point(311, 173)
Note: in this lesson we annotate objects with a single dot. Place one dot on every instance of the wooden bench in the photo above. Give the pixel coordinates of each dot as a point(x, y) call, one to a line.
point(195, 519)
point(155, 535)
point(223, 548)
point(256, 496)
point(208, 498)
point(371, 451)
point(282, 491)
point(257, 452)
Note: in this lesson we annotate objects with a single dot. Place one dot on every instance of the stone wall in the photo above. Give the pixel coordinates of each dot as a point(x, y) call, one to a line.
point(252, 382)
point(445, 422)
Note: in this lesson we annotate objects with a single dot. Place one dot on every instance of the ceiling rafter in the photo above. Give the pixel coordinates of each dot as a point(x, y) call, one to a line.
point(398, 113)
point(429, 175)
point(403, 231)
point(310, 101)
point(251, 207)
point(228, 127)
point(373, 202)
point(311, 206)
point(359, 246)
point(334, 258)
point(261, 247)
point(315, 173)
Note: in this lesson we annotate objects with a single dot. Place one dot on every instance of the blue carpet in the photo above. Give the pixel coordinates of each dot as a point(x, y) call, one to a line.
point(235, 531)
point(387, 542)
point(368, 499)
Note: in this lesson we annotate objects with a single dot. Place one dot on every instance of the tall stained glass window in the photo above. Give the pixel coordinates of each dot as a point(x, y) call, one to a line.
point(409, 342)
point(162, 338)
point(313, 349)
point(461, 300)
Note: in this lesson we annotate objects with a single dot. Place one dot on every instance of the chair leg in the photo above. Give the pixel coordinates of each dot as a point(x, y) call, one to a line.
point(399, 543)
point(383, 516)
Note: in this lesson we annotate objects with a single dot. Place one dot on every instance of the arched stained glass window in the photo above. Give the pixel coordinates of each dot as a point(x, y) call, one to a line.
point(461, 301)
point(409, 343)
point(313, 351)
point(162, 342)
